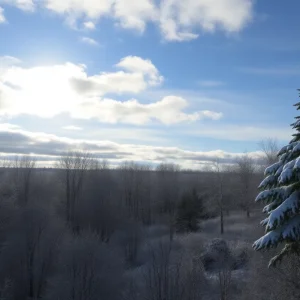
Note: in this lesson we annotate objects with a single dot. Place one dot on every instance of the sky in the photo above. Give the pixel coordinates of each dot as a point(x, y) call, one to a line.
point(150, 80)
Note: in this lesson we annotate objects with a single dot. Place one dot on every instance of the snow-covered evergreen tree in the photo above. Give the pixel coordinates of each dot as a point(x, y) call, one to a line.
point(280, 190)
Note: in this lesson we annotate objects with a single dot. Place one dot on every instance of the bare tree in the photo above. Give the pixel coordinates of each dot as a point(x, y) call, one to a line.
point(87, 270)
point(23, 167)
point(101, 211)
point(224, 278)
point(219, 190)
point(245, 169)
point(172, 274)
point(136, 189)
point(270, 148)
point(74, 166)
point(96, 164)
point(5, 162)
point(168, 192)
point(28, 255)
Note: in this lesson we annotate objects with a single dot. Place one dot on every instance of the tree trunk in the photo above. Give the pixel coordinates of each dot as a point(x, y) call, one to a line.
point(221, 220)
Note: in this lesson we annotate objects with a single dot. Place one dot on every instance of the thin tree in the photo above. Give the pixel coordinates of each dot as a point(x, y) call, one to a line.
point(74, 166)
point(219, 190)
point(270, 149)
point(245, 168)
point(168, 192)
point(23, 167)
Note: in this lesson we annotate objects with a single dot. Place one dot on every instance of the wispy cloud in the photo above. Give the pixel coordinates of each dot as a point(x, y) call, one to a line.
point(210, 83)
point(2, 17)
point(25, 5)
point(89, 41)
point(71, 127)
point(281, 71)
point(242, 132)
point(89, 25)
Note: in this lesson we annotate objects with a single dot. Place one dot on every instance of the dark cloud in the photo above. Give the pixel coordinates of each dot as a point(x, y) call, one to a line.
point(82, 86)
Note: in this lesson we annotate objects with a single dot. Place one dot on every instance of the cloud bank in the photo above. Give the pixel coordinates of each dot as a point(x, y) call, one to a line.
point(14, 140)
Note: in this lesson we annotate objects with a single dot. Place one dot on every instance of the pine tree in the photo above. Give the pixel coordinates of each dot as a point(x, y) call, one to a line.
point(280, 190)
point(189, 212)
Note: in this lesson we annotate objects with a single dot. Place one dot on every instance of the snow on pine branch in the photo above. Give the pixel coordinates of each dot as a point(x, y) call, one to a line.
point(289, 231)
point(279, 193)
point(277, 216)
point(268, 182)
point(287, 148)
point(297, 164)
point(273, 169)
point(287, 172)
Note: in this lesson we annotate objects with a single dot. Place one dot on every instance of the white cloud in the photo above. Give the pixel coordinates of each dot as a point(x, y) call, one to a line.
point(27, 5)
point(178, 20)
point(8, 126)
point(2, 17)
point(89, 41)
point(92, 9)
point(182, 20)
point(71, 127)
point(52, 90)
point(135, 14)
point(89, 25)
point(210, 83)
point(136, 64)
point(8, 61)
point(168, 111)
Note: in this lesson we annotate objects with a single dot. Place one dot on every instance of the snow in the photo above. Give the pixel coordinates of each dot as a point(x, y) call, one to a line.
point(291, 230)
point(276, 193)
point(283, 150)
point(285, 157)
point(272, 169)
point(264, 222)
point(268, 240)
point(268, 208)
point(270, 180)
point(287, 172)
point(291, 204)
point(289, 165)
point(296, 148)
point(263, 195)
point(287, 148)
point(285, 176)
point(278, 172)
point(296, 138)
point(297, 164)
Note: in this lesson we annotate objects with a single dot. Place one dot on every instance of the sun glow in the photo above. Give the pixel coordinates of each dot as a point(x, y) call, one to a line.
point(45, 91)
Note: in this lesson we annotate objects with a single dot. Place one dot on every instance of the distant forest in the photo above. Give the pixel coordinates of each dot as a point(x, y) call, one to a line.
point(85, 231)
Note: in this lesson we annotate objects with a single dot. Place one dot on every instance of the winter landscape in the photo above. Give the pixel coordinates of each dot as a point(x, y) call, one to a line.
point(149, 150)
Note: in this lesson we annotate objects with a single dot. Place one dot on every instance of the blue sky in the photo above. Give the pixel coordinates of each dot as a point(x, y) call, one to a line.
point(149, 81)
